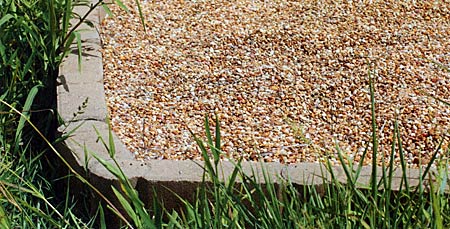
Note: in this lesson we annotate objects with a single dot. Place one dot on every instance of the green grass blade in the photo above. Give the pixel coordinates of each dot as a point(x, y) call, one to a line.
point(217, 142)
point(444, 179)
point(4, 220)
point(374, 142)
point(144, 216)
point(213, 148)
point(141, 15)
point(361, 162)
point(209, 168)
point(2, 52)
point(232, 179)
point(208, 135)
point(435, 202)
point(53, 25)
point(101, 139)
point(173, 220)
point(26, 113)
point(107, 10)
point(27, 67)
point(433, 158)
point(121, 5)
point(79, 48)
point(111, 168)
point(388, 178)
point(157, 210)
point(391, 160)
point(347, 171)
point(112, 146)
point(66, 48)
point(67, 15)
point(102, 217)
point(5, 18)
point(402, 160)
point(127, 207)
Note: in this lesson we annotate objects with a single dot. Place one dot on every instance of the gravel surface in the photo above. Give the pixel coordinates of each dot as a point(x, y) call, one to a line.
point(288, 79)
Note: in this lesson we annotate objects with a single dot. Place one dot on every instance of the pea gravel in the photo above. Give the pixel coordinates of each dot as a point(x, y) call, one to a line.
point(288, 79)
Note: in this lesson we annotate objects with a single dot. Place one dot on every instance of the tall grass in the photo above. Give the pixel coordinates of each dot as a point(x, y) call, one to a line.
point(27, 67)
point(35, 36)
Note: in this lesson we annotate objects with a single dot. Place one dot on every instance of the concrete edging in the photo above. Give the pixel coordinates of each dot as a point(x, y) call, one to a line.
point(182, 177)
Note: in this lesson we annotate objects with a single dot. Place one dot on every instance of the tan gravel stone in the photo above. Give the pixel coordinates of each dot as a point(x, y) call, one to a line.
point(288, 79)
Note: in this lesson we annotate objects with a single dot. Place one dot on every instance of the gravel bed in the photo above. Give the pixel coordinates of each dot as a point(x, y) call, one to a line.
point(288, 79)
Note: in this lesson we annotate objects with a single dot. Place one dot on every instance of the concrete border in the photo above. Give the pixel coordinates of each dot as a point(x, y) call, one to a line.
point(182, 177)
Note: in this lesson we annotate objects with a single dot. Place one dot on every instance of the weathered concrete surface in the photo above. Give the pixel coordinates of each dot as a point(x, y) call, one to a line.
point(182, 177)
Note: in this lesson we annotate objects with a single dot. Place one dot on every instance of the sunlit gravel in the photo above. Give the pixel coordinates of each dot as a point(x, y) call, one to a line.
point(289, 80)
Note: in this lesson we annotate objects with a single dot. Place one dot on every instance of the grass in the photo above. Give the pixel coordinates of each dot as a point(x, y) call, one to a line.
point(30, 41)
point(35, 37)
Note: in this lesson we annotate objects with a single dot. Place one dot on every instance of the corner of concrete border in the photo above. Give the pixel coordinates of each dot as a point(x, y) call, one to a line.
point(182, 177)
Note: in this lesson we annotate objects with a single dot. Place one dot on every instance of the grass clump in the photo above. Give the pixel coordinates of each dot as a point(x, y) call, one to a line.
point(35, 36)
point(30, 54)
